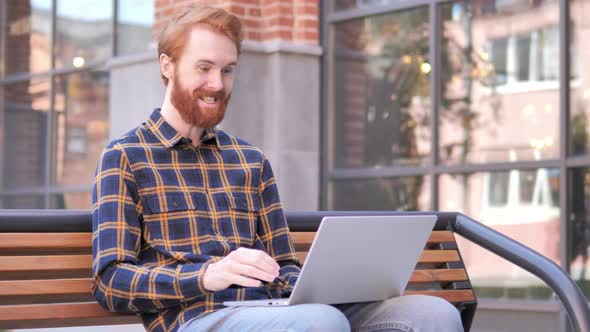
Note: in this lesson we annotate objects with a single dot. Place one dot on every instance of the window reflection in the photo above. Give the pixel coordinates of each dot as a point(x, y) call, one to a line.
point(84, 32)
point(27, 36)
point(404, 194)
point(80, 125)
point(381, 91)
point(499, 81)
point(24, 110)
point(579, 143)
point(522, 204)
point(134, 26)
point(71, 200)
point(22, 202)
point(579, 228)
point(349, 4)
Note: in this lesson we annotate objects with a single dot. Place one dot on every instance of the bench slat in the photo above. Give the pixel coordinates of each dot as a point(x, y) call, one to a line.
point(27, 241)
point(64, 241)
point(441, 237)
point(54, 311)
point(442, 275)
point(45, 287)
point(45, 263)
point(439, 256)
point(82, 285)
point(427, 256)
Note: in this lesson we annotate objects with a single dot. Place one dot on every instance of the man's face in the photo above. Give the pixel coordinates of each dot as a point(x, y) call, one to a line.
point(203, 78)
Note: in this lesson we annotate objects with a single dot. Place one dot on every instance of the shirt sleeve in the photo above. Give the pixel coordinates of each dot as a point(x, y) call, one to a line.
point(274, 234)
point(121, 283)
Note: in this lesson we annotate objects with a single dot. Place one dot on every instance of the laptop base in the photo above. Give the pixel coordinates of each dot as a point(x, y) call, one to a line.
point(258, 303)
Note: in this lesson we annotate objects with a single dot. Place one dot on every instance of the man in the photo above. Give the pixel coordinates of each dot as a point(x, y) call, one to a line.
point(186, 216)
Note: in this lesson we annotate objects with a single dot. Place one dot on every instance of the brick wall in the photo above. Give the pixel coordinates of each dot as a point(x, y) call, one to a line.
point(295, 21)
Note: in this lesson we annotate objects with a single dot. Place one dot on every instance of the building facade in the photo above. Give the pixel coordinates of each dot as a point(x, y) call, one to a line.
point(477, 106)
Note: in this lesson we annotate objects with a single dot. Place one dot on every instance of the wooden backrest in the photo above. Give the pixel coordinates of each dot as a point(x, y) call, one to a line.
point(45, 278)
point(45, 282)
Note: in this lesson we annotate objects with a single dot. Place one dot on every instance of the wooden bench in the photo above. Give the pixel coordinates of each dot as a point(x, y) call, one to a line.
point(45, 271)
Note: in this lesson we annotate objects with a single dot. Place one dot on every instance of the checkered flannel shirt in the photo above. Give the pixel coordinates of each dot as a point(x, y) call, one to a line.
point(163, 210)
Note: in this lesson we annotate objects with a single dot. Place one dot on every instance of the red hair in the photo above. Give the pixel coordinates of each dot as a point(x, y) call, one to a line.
point(174, 34)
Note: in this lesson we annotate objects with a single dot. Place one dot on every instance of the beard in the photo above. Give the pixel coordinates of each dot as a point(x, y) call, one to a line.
point(187, 105)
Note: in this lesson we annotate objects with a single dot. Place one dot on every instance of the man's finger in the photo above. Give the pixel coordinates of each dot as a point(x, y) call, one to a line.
point(252, 272)
point(239, 280)
point(259, 259)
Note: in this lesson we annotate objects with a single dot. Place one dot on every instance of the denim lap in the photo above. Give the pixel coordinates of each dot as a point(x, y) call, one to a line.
point(414, 313)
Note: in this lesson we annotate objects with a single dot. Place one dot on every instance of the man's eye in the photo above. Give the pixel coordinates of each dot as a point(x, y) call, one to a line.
point(203, 69)
point(228, 70)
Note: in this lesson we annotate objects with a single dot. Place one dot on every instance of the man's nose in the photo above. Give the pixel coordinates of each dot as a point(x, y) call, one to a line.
point(215, 81)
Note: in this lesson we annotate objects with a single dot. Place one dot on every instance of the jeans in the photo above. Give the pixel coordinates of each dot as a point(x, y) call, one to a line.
point(416, 313)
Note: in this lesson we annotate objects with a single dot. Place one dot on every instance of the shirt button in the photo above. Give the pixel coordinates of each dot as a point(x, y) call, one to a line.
point(175, 203)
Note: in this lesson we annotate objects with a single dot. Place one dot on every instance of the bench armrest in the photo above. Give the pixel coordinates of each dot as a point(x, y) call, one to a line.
point(560, 282)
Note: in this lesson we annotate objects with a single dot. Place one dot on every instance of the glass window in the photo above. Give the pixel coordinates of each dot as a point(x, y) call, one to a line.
point(405, 194)
point(499, 81)
point(523, 54)
point(71, 200)
point(579, 228)
point(81, 126)
point(134, 26)
point(499, 49)
point(548, 53)
point(579, 142)
point(381, 101)
point(23, 130)
point(527, 184)
point(337, 5)
point(498, 188)
point(84, 32)
point(528, 214)
point(22, 202)
point(27, 36)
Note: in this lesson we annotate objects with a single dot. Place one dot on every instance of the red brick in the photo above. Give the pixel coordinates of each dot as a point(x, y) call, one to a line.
point(254, 35)
point(255, 12)
point(311, 36)
point(237, 10)
point(247, 2)
point(276, 10)
point(279, 22)
point(278, 34)
point(307, 10)
point(251, 23)
point(307, 23)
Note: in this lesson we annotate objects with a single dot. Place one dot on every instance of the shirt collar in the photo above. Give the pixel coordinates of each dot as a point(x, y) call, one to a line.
point(169, 136)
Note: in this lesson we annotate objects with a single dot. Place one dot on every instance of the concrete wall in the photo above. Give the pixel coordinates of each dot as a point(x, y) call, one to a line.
point(275, 106)
point(517, 315)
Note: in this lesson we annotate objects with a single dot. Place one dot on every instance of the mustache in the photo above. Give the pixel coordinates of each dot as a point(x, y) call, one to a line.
point(219, 95)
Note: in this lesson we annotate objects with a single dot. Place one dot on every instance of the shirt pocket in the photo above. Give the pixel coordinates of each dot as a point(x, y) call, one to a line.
point(239, 223)
point(178, 222)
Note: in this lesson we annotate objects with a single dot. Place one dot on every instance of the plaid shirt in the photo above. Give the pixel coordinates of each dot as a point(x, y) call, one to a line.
point(163, 210)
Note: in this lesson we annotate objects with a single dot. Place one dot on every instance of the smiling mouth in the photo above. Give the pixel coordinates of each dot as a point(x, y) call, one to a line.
point(209, 100)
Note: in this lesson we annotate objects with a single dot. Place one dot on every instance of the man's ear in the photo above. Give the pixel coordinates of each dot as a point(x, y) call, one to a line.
point(166, 66)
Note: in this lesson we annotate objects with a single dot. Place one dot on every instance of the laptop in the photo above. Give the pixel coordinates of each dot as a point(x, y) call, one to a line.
point(357, 259)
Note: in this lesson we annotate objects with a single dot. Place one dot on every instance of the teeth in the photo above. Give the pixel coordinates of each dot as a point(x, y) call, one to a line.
point(208, 99)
